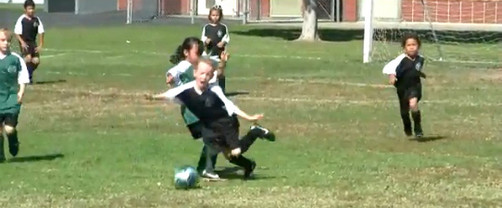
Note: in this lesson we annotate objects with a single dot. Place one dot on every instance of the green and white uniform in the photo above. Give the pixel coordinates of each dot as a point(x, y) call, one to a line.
point(13, 72)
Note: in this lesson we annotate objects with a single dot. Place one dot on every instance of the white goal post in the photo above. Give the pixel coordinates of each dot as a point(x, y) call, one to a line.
point(458, 31)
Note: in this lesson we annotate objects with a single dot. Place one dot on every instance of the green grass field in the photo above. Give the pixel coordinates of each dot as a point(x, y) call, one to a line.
point(88, 139)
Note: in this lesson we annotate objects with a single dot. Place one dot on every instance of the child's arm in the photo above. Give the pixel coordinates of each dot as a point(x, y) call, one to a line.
point(169, 79)
point(422, 61)
point(222, 64)
point(23, 78)
point(226, 38)
point(204, 37)
point(41, 32)
point(390, 69)
point(18, 31)
point(170, 95)
point(232, 108)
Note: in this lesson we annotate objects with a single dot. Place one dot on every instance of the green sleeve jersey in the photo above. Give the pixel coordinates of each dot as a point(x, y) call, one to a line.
point(12, 73)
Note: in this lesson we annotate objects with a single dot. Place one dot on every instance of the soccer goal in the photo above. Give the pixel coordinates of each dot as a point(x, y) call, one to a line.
point(459, 31)
point(143, 10)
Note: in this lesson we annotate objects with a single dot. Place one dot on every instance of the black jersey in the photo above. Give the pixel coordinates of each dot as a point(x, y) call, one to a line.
point(217, 33)
point(29, 28)
point(209, 105)
point(213, 109)
point(408, 71)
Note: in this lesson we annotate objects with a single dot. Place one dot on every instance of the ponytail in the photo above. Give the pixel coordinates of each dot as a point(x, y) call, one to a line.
point(178, 55)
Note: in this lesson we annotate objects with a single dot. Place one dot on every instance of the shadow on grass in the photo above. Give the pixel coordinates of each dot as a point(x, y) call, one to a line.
point(232, 94)
point(35, 158)
point(231, 173)
point(49, 82)
point(430, 138)
point(293, 34)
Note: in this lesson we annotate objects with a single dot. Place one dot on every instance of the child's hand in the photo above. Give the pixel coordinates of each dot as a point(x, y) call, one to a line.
point(221, 44)
point(423, 75)
point(208, 40)
point(224, 56)
point(19, 98)
point(38, 49)
point(24, 46)
point(392, 79)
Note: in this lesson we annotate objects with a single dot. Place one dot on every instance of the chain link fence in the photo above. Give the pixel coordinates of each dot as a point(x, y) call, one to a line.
point(254, 11)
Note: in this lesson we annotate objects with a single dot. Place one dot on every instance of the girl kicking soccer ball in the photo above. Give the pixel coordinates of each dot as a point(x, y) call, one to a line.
point(404, 73)
point(218, 115)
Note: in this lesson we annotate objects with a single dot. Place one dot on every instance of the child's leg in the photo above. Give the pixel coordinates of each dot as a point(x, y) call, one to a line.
point(245, 163)
point(221, 77)
point(203, 160)
point(255, 132)
point(405, 114)
point(29, 65)
point(208, 171)
point(415, 114)
point(222, 83)
point(2, 154)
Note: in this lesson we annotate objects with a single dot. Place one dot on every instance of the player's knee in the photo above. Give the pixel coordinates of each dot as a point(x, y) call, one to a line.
point(413, 105)
point(35, 60)
point(27, 59)
point(9, 129)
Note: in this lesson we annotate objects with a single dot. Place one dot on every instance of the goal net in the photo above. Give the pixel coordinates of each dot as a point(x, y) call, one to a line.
point(142, 10)
point(459, 31)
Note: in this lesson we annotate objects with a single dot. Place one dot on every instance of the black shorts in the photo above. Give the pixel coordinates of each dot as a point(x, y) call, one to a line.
point(9, 119)
point(196, 129)
point(30, 50)
point(222, 133)
point(406, 93)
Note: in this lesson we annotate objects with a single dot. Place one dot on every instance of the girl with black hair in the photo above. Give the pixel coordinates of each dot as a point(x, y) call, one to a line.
point(216, 37)
point(404, 73)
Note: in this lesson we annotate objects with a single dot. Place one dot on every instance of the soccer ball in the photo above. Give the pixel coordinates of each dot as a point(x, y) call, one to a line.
point(186, 177)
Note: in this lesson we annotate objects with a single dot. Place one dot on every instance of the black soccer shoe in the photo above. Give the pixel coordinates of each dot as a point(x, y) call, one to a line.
point(419, 133)
point(13, 146)
point(248, 171)
point(263, 132)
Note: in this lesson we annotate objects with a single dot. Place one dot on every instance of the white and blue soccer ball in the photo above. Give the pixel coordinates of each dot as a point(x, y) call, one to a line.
point(186, 177)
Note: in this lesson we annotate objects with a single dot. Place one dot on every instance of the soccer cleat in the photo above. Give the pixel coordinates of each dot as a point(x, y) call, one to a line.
point(13, 146)
point(418, 131)
point(264, 133)
point(210, 175)
point(248, 172)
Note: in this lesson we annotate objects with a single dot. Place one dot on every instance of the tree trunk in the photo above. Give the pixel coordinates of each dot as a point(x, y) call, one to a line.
point(309, 28)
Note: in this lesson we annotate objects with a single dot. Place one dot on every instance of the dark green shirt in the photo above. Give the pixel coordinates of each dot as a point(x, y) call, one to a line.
point(13, 72)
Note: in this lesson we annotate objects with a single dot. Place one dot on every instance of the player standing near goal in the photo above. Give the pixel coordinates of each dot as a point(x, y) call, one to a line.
point(27, 27)
point(404, 73)
point(13, 77)
point(215, 36)
point(218, 115)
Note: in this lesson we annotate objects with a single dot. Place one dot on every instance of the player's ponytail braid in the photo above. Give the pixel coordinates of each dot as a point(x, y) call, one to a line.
point(178, 55)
